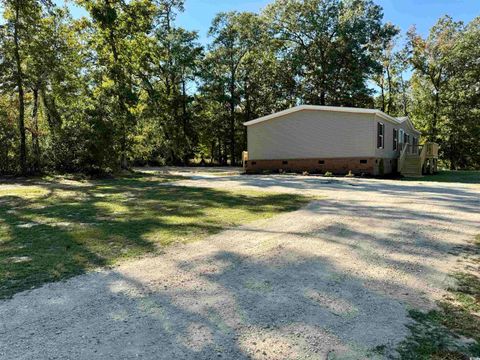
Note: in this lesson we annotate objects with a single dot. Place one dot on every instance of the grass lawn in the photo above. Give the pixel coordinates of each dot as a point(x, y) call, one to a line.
point(466, 177)
point(438, 334)
point(51, 230)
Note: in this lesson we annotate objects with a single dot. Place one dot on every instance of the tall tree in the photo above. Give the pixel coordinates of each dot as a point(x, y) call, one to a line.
point(235, 36)
point(445, 87)
point(21, 19)
point(393, 88)
point(168, 71)
point(430, 58)
point(461, 100)
point(332, 44)
point(127, 85)
point(115, 27)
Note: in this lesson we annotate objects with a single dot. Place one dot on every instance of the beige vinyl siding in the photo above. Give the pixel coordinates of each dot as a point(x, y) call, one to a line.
point(387, 152)
point(313, 134)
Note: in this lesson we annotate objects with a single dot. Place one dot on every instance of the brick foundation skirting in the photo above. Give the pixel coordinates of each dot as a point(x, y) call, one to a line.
point(357, 165)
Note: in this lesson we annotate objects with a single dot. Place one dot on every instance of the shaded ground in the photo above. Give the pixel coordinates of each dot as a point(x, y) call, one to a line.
point(332, 280)
point(189, 171)
point(50, 230)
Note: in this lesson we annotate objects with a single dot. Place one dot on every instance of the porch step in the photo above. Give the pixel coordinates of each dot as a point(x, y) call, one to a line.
point(411, 166)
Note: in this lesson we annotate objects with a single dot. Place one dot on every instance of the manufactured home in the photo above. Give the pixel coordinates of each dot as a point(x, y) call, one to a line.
point(318, 139)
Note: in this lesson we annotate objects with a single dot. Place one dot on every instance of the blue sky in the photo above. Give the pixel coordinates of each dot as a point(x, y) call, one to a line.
point(403, 13)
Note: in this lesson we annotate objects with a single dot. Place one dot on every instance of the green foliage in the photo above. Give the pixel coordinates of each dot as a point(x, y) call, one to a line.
point(238, 73)
point(465, 177)
point(331, 46)
point(393, 97)
point(8, 137)
point(445, 89)
point(125, 85)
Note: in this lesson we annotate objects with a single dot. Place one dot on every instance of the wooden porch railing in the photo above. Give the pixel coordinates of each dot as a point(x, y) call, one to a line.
point(431, 149)
point(414, 149)
point(244, 157)
point(401, 159)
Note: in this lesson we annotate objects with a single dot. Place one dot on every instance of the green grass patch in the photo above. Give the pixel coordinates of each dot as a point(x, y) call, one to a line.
point(53, 230)
point(465, 177)
point(452, 331)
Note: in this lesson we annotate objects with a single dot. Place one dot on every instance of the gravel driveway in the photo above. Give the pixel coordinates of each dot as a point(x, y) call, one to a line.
point(333, 280)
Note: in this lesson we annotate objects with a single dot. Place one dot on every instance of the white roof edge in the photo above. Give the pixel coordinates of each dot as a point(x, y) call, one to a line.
point(397, 121)
point(327, 108)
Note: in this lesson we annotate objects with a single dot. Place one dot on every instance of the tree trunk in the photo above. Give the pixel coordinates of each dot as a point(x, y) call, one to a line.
point(382, 88)
point(322, 97)
point(7, 160)
point(435, 117)
point(323, 81)
point(21, 94)
point(184, 109)
point(224, 155)
point(436, 82)
point(212, 152)
point(390, 100)
point(119, 80)
point(248, 111)
point(404, 97)
point(232, 120)
point(35, 132)
point(53, 117)
point(186, 124)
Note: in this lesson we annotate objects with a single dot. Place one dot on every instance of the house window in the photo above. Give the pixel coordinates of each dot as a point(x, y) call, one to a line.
point(284, 162)
point(380, 136)
point(395, 139)
point(363, 161)
point(321, 162)
point(405, 138)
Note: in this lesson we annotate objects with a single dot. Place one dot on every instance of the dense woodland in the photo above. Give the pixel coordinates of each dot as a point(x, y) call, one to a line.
point(126, 86)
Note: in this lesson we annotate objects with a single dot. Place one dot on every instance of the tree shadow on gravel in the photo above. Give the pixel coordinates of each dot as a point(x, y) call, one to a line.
point(225, 305)
point(462, 198)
